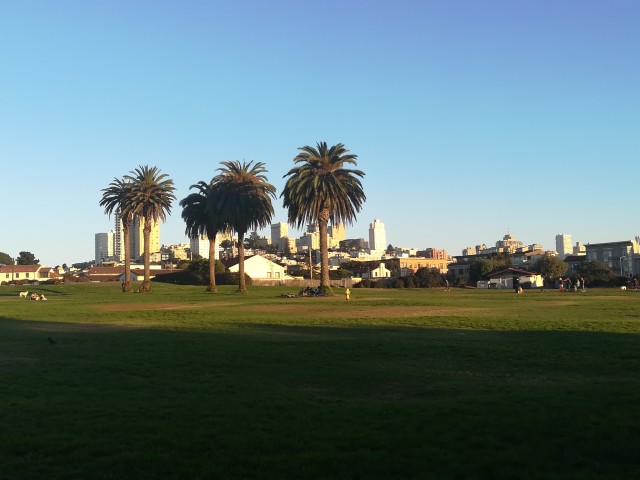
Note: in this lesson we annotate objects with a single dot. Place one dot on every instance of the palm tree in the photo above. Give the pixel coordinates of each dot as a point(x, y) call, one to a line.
point(117, 198)
point(320, 190)
point(151, 197)
point(245, 202)
point(201, 216)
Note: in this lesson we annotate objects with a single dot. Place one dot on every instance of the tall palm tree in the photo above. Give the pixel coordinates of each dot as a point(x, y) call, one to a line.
point(320, 190)
point(116, 198)
point(151, 197)
point(245, 202)
point(202, 217)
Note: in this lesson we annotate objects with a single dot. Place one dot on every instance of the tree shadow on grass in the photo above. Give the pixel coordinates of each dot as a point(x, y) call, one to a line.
point(270, 401)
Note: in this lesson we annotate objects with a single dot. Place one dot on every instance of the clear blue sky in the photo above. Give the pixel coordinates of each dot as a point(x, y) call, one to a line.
point(470, 118)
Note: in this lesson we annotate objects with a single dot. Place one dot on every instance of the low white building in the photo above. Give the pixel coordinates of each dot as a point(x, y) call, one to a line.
point(260, 268)
point(505, 279)
point(27, 273)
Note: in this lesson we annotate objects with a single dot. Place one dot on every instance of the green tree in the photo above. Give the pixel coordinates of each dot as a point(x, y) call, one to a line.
point(480, 269)
point(550, 267)
point(116, 198)
point(245, 202)
point(201, 214)
point(151, 198)
point(253, 241)
point(428, 278)
point(27, 258)
point(5, 259)
point(319, 189)
point(594, 271)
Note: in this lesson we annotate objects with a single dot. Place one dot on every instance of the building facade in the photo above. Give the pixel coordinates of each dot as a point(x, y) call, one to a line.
point(104, 246)
point(411, 265)
point(621, 257)
point(377, 236)
point(564, 245)
point(280, 235)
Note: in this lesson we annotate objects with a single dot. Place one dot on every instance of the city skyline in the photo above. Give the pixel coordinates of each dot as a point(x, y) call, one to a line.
point(469, 120)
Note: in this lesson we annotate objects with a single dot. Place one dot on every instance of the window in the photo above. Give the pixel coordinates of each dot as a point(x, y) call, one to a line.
point(277, 274)
point(17, 275)
point(268, 274)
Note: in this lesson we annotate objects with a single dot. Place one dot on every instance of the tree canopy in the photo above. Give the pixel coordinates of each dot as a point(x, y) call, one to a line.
point(551, 267)
point(5, 259)
point(150, 197)
point(116, 199)
point(27, 258)
point(245, 202)
point(320, 189)
point(595, 271)
point(202, 217)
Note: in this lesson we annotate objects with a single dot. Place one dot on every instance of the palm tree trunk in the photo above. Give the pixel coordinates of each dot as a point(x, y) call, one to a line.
point(127, 257)
point(242, 288)
point(213, 288)
point(146, 283)
point(324, 253)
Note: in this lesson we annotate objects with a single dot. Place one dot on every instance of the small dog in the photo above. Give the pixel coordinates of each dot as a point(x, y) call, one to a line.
point(623, 288)
point(24, 294)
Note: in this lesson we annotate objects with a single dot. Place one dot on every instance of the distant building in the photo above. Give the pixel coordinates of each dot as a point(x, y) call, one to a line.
point(505, 278)
point(280, 235)
point(411, 265)
point(260, 268)
point(564, 245)
point(508, 244)
point(621, 257)
point(26, 273)
point(354, 244)
point(137, 238)
point(478, 249)
point(377, 236)
point(104, 246)
point(309, 240)
point(434, 253)
point(579, 249)
point(337, 234)
point(200, 245)
point(181, 251)
point(118, 239)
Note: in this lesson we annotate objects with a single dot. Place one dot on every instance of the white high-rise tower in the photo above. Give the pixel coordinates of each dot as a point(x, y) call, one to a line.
point(564, 245)
point(377, 236)
point(103, 246)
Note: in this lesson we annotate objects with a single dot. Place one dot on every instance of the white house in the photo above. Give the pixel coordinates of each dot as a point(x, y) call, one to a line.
point(26, 273)
point(380, 272)
point(505, 279)
point(260, 268)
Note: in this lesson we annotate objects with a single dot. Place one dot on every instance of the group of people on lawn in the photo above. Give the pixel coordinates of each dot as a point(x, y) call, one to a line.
point(569, 285)
point(35, 296)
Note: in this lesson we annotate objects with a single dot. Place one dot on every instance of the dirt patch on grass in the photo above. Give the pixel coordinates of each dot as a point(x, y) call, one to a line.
point(127, 307)
point(354, 311)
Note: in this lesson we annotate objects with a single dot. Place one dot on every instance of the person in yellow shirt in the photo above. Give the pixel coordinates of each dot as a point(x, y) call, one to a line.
point(347, 294)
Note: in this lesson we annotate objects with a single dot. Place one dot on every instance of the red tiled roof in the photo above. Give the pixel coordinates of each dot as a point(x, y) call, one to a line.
point(512, 270)
point(19, 268)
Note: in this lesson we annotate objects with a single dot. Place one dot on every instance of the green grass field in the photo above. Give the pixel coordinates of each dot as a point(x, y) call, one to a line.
point(396, 384)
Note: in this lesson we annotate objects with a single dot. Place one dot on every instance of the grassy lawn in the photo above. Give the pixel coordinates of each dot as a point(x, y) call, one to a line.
point(180, 384)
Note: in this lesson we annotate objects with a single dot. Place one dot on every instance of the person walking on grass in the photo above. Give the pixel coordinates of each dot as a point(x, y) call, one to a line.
point(347, 294)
